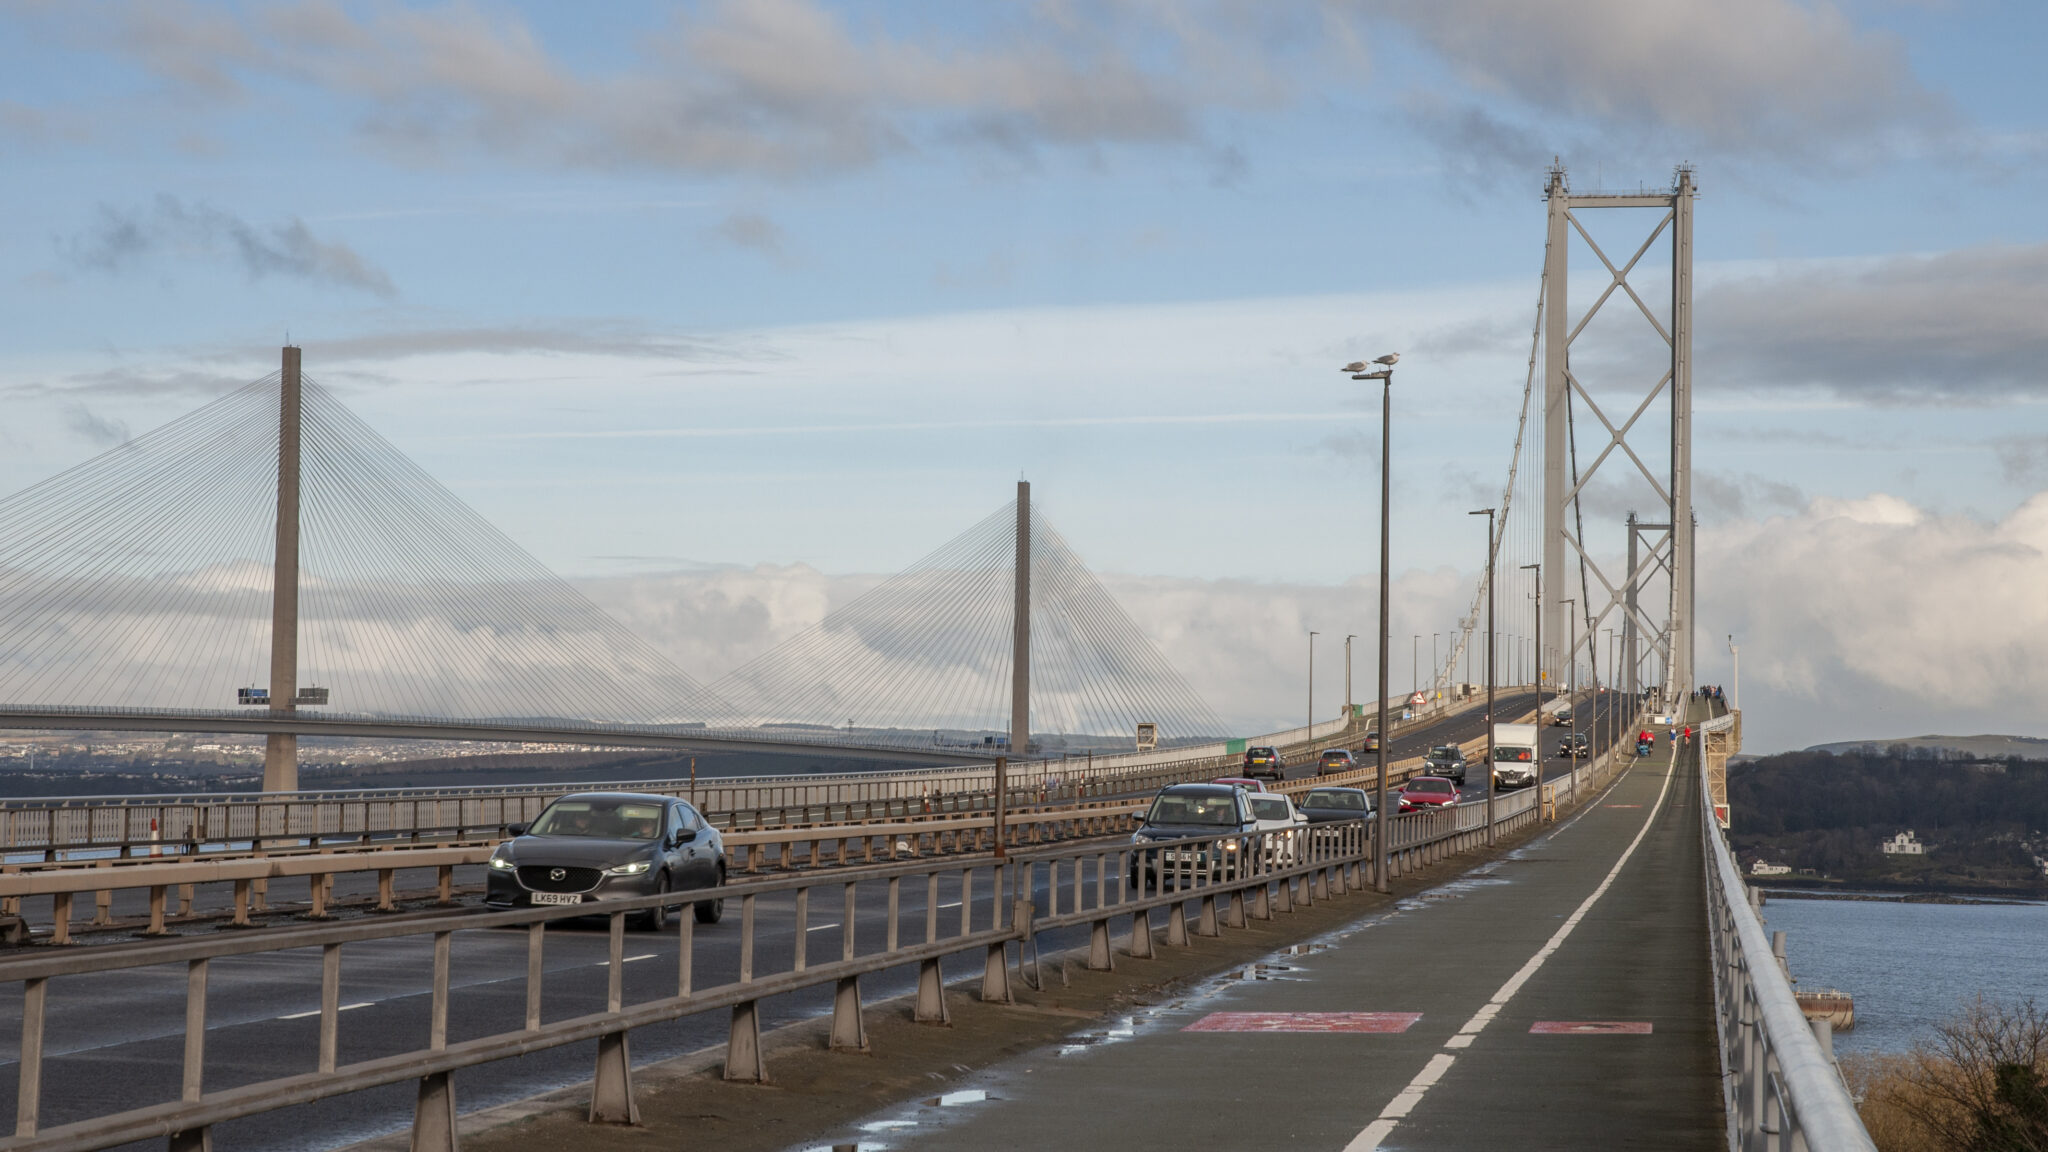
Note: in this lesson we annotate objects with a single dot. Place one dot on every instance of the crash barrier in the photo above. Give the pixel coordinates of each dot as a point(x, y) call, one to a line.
point(173, 885)
point(1780, 1084)
point(1265, 874)
point(54, 827)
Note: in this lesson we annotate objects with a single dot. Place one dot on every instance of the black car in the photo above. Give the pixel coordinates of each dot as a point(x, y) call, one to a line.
point(1322, 805)
point(595, 846)
point(1577, 746)
point(1264, 763)
point(1447, 761)
point(1192, 812)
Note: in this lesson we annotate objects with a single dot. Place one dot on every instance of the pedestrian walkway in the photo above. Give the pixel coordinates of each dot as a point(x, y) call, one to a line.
point(1555, 998)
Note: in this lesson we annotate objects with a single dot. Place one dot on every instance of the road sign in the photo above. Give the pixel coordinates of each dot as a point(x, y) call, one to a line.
point(1418, 700)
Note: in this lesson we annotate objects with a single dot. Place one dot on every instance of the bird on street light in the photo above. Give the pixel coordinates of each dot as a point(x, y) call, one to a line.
point(1362, 370)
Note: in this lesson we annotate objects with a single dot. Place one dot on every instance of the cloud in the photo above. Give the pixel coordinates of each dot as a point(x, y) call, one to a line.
point(753, 231)
point(103, 431)
point(120, 238)
point(1873, 618)
point(777, 87)
point(1795, 80)
point(1959, 325)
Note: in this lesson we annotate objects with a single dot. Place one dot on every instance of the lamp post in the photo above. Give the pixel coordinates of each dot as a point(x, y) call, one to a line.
point(1434, 667)
point(1311, 737)
point(1536, 649)
point(1360, 370)
point(1347, 675)
point(1415, 665)
point(1735, 676)
point(1571, 671)
point(1488, 513)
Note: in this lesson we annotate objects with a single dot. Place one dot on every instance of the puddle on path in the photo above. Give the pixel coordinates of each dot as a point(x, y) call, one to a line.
point(1123, 1029)
point(1266, 970)
point(955, 1099)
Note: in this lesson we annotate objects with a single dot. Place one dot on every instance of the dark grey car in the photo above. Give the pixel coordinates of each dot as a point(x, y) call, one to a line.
point(1323, 805)
point(1192, 812)
point(595, 846)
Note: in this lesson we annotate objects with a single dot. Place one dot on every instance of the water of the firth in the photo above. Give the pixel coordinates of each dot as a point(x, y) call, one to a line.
point(1910, 966)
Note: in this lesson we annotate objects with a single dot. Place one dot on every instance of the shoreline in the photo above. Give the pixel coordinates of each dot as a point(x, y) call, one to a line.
point(1894, 897)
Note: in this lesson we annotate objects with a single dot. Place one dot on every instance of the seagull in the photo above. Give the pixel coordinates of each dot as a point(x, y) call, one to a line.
point(1390, 359)
point(1355, 366)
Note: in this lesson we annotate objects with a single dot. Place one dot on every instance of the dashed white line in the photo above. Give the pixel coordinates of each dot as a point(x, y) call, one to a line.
point(1405, 1100)
point(629, 960)
point(820, 927)
point(316, 1011)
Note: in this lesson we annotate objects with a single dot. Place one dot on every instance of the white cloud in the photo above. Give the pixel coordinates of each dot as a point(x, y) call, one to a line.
point(1797, 80)
point(781, 87)
point(1874, 618)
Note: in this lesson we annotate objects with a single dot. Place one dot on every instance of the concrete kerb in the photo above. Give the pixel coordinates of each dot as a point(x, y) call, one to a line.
point(958, 1003)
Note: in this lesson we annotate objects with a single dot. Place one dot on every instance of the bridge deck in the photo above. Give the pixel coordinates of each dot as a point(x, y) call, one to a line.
point(1526, 937)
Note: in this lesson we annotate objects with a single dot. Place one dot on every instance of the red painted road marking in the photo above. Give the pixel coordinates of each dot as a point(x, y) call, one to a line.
point(1591, 1027)
point(1305, 1022)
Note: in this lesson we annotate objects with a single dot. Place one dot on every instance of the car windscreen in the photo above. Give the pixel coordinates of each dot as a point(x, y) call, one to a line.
point(1270, 808)
point(1510, 753)
point(1347, 801)
point(600, 820)
point(1185, 808)
point(1443, 752)
point(1439, 786)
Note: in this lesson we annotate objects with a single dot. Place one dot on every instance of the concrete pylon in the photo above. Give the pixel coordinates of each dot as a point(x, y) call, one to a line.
point(281, 750)
point(1020, 635)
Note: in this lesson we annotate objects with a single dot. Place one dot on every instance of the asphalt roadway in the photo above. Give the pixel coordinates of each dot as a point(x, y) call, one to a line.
point(1558, 997)
point(115, 1040)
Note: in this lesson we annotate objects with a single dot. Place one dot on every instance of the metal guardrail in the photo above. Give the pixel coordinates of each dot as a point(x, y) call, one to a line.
point(1269, 873)
point(1779, 1081)
point(184, 824)
point(172, 882)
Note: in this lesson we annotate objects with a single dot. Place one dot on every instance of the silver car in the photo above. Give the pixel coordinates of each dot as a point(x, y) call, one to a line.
point(595, 846)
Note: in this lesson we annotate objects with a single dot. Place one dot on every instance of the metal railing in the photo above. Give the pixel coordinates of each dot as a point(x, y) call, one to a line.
point(53, 827)
point(1227, 879)
point(1778, 1075)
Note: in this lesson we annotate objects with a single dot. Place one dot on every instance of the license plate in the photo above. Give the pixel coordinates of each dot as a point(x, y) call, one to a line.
point(557, 898)
point(1182, 857)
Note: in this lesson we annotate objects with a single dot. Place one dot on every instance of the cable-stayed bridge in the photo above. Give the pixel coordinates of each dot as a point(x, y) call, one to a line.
point(269, 563)
point(1606, 939)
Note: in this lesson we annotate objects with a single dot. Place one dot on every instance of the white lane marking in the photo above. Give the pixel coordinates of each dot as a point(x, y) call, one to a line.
point(954, 904)
point(316, 1011)
point(1405, 1101)
point(821, 927)
point(629, 960)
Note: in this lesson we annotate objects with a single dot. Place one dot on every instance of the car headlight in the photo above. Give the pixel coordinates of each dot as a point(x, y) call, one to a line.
point(501, 860)
point(1140, 838)
point(633, 869)
point(1230, 845)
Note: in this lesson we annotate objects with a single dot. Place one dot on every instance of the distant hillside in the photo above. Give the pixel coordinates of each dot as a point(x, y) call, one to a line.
point(1973, 747)
point(1825, 814)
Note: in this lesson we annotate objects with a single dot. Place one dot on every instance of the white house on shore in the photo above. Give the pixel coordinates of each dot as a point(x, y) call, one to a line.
point(1761, 867)
point(1904, 844)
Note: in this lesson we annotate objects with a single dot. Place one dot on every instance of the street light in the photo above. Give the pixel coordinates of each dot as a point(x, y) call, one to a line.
point(1538, 650)
point(1347, 675)
point(1360, 370)
point(1488, 513)
point(1415, 665)
point(1311, 737)
point(1571, 664)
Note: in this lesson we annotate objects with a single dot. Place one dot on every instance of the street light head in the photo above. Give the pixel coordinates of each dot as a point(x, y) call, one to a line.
point(1390, 359)
point(1480, 512)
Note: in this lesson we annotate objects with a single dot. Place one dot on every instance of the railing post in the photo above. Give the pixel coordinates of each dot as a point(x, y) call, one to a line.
point(931, 994)
point(195, 1031)
point(1141, 935)
point(849, 1033)
point(433, 1114)
point(611, 1089)
point(28, 1101)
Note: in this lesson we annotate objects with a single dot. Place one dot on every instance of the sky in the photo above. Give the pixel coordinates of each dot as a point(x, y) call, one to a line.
point(727, 309)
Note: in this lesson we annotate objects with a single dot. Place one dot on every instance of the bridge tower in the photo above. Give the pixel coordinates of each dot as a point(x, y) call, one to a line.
point(281, 749)
point(1020, 631)
point(1672, 638)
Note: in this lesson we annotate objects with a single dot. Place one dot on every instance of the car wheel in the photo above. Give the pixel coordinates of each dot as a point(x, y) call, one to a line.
point(656, 918)
point(711, 911)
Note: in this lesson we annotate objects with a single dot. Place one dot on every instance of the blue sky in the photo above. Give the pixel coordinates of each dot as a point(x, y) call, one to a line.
point(783, 282)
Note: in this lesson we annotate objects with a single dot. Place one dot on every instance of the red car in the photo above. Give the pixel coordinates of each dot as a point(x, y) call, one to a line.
point(1428, 792)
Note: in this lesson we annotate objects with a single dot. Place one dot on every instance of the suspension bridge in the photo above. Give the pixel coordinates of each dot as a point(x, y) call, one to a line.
point(271, 564)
